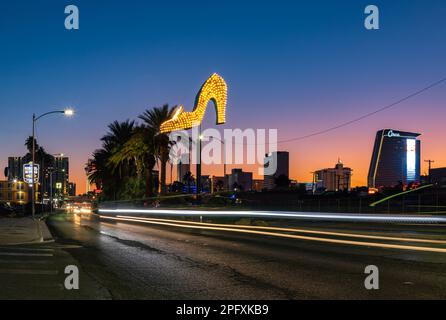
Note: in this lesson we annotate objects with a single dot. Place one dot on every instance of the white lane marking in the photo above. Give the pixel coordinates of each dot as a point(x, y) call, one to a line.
point(289, 236)
point(28, 262)
point(330, 233)
point(21, 254)
point(26, 249)
point(29, 272)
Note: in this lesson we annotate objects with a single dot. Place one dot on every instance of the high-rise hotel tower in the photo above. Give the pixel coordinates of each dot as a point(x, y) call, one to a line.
point(395, 159)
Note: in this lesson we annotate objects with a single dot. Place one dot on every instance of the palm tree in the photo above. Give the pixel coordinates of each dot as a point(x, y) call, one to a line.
point(139, 150)
point(110, 180)
point(29, 144)
point(98, 173)
point(119, 133)
point(153, 118)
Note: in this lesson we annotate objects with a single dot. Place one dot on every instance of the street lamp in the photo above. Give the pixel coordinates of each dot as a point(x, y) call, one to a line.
point(224, 159)
point(68, 113)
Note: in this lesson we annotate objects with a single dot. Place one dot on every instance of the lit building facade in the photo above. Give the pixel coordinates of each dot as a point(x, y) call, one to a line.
point(14, 192)
point(282, 165)
point(60, 178)
point(72, 189)
point(395, 159)
point(334, 179)
point(53, 176)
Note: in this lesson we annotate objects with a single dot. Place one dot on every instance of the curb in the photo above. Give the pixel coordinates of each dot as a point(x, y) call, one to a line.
point(41, 235)
point(45, 234)
point(27, 243)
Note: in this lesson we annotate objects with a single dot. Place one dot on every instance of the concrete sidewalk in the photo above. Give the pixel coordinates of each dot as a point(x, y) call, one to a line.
point(15, 231)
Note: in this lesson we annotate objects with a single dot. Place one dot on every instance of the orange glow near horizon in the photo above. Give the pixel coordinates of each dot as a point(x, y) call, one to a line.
point(310, 155)
point(352, 144)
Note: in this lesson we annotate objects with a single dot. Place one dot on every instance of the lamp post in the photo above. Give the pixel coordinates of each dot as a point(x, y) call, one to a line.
point(224, 158)
point(51, 192)
point(66, 112)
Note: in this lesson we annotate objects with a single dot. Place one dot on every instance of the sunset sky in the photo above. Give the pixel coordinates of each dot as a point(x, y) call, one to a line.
point(298, 66)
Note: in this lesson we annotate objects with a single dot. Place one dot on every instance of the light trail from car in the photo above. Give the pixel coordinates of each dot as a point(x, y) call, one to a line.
point(307, 231)
point(282, 235)
point(316, 216)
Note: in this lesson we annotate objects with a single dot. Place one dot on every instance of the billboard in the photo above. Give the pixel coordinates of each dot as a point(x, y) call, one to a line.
point(27, 173)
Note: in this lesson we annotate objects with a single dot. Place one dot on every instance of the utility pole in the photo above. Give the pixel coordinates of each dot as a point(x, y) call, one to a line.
point(430, 168)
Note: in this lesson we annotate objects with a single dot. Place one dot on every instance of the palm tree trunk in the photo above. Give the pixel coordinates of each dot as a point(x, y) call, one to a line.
point(149, 183)
point(163, 175)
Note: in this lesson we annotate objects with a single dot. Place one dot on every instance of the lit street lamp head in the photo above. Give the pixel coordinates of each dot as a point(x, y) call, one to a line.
point(69, 112)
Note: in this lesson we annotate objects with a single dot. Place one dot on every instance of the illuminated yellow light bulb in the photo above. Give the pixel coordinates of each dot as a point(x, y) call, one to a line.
point(215, 90)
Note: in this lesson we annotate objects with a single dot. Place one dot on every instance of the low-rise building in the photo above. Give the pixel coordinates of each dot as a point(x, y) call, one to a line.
point(334, 179)
point(14, 192)
point(218, 184)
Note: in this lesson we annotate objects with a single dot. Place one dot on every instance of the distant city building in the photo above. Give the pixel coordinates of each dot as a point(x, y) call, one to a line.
point(395, 159)
point(334, 179)
point(53, 176)
point(240, 180)
point(14, 169)
point(182, 169)
point(206, 183)
point(72, 189)
point(282, 168)
point(60, 177)
point(257, 185)
point(218, 184)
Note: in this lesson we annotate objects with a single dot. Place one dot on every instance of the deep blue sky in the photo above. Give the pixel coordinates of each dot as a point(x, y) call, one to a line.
point(294, 65)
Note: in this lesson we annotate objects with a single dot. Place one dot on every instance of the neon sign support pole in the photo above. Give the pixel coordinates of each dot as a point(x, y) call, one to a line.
point(199, 161)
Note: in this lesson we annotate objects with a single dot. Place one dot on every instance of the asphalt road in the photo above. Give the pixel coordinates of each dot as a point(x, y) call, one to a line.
point(133, 260)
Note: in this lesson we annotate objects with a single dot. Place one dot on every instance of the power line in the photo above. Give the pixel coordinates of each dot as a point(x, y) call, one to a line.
point(410, 96)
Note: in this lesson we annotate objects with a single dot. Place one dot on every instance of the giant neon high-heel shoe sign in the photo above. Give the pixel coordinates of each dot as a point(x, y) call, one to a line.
point(215, 90)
